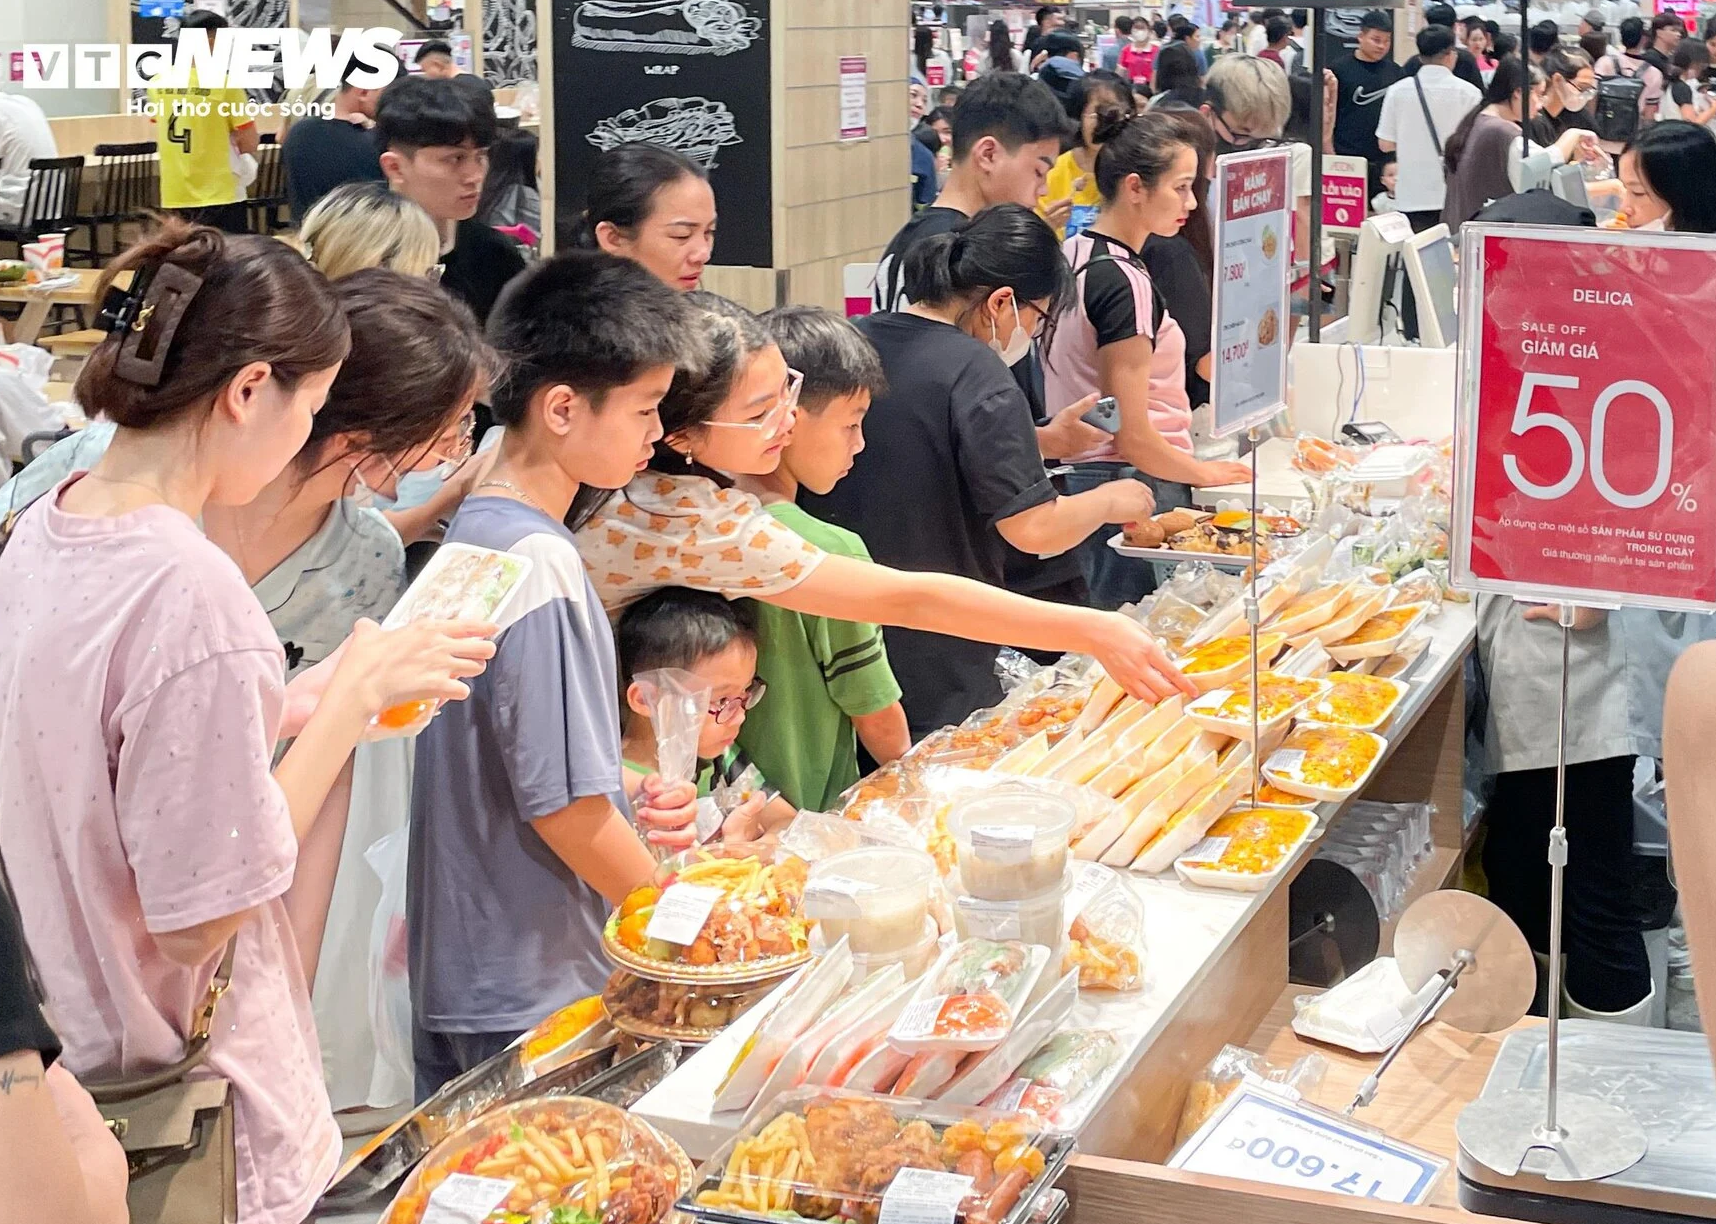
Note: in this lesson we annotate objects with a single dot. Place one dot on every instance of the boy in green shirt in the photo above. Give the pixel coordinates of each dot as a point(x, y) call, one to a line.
point(829, 683)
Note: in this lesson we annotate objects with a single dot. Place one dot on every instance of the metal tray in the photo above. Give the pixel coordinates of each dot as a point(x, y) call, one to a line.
point(1174, 556)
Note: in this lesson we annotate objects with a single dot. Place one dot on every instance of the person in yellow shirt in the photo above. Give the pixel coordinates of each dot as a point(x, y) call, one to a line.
point(199, 133)
point(1073, 176)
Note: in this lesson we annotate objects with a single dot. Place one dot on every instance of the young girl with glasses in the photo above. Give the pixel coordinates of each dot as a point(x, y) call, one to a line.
point(715, 642)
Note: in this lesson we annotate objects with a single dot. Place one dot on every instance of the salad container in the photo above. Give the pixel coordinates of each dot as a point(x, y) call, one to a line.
point(565, 1160)
point(820, 1154)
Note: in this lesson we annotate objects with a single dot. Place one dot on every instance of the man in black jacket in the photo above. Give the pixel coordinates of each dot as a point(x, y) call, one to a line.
point(1465, 63)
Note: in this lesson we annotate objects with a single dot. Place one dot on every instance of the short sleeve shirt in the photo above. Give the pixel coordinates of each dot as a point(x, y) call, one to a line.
point(1087, 200)
point(501, 931)
point(821, 674)
point(194, 128)
point(141, 692)
point(688, 531)
point(1117, 301)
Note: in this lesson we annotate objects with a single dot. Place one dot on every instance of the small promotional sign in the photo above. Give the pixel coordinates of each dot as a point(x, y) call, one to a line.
point(1585, 435)
point(1346, 180)
point(854, 97)
point(1253, 207)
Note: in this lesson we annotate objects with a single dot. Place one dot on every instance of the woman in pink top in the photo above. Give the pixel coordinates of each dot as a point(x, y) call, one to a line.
point(142, 695)
point(1117, 338)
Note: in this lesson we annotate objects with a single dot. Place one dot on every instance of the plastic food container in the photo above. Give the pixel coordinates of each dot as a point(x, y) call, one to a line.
point(1271, 796)
point(914, 959)
point(1036, 920)
point(1244, 851)
point(877, 897)
point(797, 1159)
point(1379, 635)
point(1364, 604)
point(1011, 843)
point(1356, 701)
point(1227, 661)
point(1325, 762)
point(971, 998)
point(1311, 609)
point(1227, 711)
point(543, 1154)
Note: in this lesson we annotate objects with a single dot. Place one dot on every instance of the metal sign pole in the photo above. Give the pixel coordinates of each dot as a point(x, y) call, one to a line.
point(1585, 1138)
point(1253, 618)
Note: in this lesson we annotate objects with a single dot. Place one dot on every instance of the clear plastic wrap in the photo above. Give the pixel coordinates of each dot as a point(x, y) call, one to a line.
point(822, 1155)
point(548, 1161)
point(678, 704)
point(1230, 1068)
point(981, 1074)
point(971, 998)
point(749, 900)
point(794, 1009)
point(1105, 931)
point(1049, 1083)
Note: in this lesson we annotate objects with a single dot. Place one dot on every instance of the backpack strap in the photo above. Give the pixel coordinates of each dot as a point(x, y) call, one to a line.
point(1158, 306)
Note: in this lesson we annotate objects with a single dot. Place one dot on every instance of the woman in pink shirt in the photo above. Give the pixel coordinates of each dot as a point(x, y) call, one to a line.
point(1117, 338)
point(142, 695)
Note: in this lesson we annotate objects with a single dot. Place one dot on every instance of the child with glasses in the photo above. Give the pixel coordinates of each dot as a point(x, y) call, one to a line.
point(714, 641)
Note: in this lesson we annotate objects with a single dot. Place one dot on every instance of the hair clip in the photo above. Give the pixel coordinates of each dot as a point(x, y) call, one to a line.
point(152, 323)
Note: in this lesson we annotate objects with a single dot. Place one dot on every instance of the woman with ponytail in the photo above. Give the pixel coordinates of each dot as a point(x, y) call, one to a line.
point(1098, 99)
point(148, 832)
point(1116, 337)
point(653, 206)
point(950, 469)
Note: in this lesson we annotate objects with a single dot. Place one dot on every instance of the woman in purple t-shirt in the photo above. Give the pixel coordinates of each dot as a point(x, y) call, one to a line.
point(141, 697)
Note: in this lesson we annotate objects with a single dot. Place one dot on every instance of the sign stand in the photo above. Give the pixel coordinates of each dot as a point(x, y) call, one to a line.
point(1586, 1138)
point(1254, 620)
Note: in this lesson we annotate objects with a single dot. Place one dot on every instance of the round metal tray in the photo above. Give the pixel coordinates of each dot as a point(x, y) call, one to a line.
point(733, 973)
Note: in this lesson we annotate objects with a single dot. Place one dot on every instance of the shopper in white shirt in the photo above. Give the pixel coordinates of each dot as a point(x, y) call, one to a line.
point(1419, 113)
point(24, 136)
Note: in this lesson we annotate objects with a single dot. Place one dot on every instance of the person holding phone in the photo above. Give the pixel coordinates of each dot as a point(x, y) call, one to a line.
point(1115, 335)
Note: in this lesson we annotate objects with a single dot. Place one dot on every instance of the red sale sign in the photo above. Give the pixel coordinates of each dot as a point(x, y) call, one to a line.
point(1587, 423)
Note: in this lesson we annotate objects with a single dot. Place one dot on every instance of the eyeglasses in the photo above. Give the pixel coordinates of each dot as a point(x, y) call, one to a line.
point(729, 708)
point(1244, 141)
point(773, 423)
point(447, 461)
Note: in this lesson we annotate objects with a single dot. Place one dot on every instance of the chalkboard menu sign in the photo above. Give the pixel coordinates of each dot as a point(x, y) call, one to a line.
point(689, 74)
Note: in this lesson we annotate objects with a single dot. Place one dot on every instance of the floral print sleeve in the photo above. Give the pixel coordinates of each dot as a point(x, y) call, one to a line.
point(687, 531)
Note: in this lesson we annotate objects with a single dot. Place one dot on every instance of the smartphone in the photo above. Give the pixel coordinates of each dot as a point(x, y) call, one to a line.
point(1105, 415)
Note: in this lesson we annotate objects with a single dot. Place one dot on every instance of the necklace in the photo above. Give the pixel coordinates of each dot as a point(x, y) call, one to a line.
point(512, 488)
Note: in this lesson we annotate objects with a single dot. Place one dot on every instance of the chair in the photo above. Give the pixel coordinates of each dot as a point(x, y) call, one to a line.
point(268, 192)
point(50, 201)
point(130, 186)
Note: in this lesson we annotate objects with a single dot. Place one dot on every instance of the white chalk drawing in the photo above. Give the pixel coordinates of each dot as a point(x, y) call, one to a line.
point(664, 27)
point(509, 41)
point(696, 127)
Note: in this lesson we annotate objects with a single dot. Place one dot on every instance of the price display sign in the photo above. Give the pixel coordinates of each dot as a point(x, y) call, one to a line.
point(1586, 427)
point(1260, 1136)
point(1253, 204)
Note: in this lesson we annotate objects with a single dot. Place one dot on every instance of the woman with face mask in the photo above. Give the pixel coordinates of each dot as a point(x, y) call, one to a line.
point(1666, 173)
point(1569, 91)
point(950, 470)
point(1116, 337)
point(1483, 159)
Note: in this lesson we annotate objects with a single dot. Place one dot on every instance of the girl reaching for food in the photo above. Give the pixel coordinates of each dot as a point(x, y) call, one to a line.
point(681, 523)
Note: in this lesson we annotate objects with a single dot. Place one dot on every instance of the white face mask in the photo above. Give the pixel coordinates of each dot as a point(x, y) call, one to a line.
point(1656, 223)
point(366, 497)
point(1018, 343)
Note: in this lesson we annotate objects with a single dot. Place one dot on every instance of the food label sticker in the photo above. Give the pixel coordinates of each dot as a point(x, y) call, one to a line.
point(924, 1196)
point(1286, 760)
point(918, 1020)
point(1091, 879)
point(1008, 845)
point(1209, 850)
point(835, 897)
point(465, 1199)
point(681, 912)
point(1009, 1097)
point(709, 818)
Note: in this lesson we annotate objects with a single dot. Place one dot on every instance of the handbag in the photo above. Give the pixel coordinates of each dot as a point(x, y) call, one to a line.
point(177, 1131)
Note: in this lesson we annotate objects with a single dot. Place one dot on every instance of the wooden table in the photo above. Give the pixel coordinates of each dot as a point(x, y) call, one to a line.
point(37, 303)
point(1438, 1073)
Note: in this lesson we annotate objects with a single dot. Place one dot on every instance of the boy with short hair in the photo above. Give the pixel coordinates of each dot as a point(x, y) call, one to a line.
point(829, 684)
point(435, 138)
point(519, 835)
point(434, 60)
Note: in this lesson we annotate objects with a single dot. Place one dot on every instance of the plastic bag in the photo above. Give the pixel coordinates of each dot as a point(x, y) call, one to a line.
point(1230, 1068)
point(389, 957)
point(678, 704)
point(971, 998)
point(985, 1073)
point(24, 406)
point(1105, 933)
point(1061, 1070)
point(804, 998)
